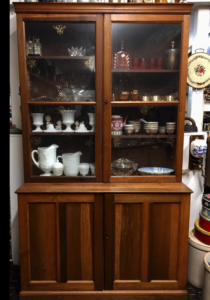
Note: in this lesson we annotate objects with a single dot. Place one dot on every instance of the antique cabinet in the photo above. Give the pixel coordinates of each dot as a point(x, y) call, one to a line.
point(103, 86)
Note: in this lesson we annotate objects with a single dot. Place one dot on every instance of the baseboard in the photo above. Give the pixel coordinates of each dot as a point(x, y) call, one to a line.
point(106, 295)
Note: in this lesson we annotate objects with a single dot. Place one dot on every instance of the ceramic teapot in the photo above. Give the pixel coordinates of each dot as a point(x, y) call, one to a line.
point(46, 158)
point(117, 124)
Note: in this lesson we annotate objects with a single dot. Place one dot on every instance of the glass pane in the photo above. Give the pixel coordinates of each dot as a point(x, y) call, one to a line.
point(60, 61)
point(145, 61)
point(146, 145)
point(65, 134)
point(145, 69)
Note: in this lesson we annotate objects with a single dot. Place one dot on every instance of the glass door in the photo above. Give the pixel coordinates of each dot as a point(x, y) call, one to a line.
point(64, 100)
point(145, 106)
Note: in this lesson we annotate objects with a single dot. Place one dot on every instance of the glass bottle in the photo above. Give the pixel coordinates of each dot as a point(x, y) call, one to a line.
point(161, 1)
point(29, 47)
point(121, 58)
point(172, 57)
point(37, 47)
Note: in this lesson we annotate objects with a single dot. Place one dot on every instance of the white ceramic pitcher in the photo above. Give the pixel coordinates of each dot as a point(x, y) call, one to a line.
point(71, 163)
point(46, 158)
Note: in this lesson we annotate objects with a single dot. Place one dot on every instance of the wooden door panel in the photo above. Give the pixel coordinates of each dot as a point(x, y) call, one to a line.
point(42, 232)
point(164, 226)
point(143, 236)
point(127, 242)
point(62, 238)
point(79, 236)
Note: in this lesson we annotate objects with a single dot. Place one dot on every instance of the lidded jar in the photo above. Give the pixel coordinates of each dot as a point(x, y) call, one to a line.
point(57, 168)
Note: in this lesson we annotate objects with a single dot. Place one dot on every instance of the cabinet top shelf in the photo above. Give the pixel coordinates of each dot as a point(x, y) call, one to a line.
point(110, 8)
point(59, 57)
point(144, 71)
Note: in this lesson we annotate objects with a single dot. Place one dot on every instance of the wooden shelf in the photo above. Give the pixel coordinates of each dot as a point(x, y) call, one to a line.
point(138, 103)
point(60, 103)
point(143, 71)
point(62, 133)
point(59, 57)
point(140, 136)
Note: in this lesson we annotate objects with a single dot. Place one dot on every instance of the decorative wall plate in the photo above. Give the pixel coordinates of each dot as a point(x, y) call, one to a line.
point(199, 70)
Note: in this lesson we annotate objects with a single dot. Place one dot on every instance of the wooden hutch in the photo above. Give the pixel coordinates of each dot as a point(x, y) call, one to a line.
point(102, 236)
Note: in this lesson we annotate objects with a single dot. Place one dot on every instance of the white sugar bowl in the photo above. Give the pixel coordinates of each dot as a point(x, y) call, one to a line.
point(198, 148)
point(57, 168)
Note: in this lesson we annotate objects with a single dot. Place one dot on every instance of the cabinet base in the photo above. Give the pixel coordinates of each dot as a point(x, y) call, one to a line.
point(106, 295)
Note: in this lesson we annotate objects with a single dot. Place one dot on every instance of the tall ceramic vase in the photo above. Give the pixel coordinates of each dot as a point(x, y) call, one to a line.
point(68, 119)
point(37, 121)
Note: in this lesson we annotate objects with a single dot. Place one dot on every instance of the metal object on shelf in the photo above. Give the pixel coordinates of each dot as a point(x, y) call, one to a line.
point(59, 28)
point(172, 57)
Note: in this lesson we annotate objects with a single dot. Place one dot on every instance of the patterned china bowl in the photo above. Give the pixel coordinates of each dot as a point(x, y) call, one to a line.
point(155, 171)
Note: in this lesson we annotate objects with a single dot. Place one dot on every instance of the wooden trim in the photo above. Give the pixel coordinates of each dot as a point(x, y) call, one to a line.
point(23, 241)
point(142, 198)
point(123, 18)
point(143, 179)
point(95, 188)
point(138, 285)
point(98, 240)
point(145, 221)
point(57, 17)
point(107, 83)
point(57, 242)
point(99, 95)
point(109, 241)
point(182, 96)
point(83, 285)
point(24, 94)
point(87, 8)
point(183, 241)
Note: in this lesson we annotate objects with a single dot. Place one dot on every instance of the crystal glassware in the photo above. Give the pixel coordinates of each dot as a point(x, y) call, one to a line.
point(121, 59)
point(37, 121)
point(123, 167)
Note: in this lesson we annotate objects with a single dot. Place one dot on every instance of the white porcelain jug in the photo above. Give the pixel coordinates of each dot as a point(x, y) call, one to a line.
point(71, 163)
point(46, 158)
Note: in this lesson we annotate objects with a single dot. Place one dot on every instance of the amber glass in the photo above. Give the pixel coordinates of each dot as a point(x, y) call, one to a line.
point(61, 96)
point(161, 1)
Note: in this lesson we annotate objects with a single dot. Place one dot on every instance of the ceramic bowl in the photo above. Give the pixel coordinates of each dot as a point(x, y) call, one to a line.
point(92, 168)
point(170, 131)
point(128, 129)
point(84, 168)
point(151, 131)
point(155, 171)
point(170, 124)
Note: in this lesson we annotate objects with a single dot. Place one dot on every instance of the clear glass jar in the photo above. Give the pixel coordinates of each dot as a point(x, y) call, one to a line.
point(37, 47)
